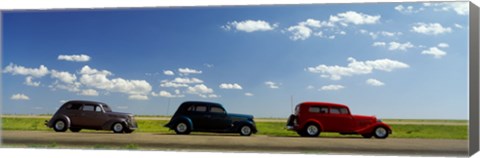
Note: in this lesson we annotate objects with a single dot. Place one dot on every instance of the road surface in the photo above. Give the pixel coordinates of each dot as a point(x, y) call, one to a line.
point(254, 143)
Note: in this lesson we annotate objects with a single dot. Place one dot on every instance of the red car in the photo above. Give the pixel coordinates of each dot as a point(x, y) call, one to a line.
point(311, 118)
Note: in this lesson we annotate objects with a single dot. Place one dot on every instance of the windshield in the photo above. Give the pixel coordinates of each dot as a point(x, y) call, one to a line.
point(106, 108)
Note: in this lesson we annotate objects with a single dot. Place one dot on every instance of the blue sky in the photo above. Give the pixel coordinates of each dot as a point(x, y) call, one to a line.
point(391, 60)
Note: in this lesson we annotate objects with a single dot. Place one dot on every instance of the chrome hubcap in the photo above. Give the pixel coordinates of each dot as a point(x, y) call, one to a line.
point(245, 130)
point(312, 130)
point(60, 125)
point(181, 127)
point(380, 131)
point(118, 127)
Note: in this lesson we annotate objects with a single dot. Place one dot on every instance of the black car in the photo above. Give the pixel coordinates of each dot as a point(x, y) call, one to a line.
point(209, 117)
point(77, 115)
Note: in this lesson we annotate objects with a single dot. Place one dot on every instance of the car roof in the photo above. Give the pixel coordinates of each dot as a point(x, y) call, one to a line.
point(200, 102)
point(322, 103)
point(85, 102)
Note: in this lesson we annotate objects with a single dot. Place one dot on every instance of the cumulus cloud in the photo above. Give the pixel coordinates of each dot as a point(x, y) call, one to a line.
point(443, 45)
point(458, 26)
point(310, 87)
point(379, 44)
point(20, 70)
point(408, 9)
point(89, 92)
point(352, 17)
point(430, 28)
point(74, 58)
point(374, 82)
point(187, 80)
point(167, 94)
point(375, 35)
point(168, 72)
point(461, 8)
point(166, 83)
point(187, 71)
point(19, 96)
point(199, 88)
point(138, 97)
point(250, 26)
point(272, 85)
point(99, 79)
point(332, 87)
point(29, 82)
point(299, 32)
point(63, 76)
point(356, 68)
point(230, 86)
point(435, 52)
point(399, 46)
point(248, 94)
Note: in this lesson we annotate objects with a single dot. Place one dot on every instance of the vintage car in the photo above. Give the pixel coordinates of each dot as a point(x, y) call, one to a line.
point(209, 117)
point(77, 115)
point(311, 118)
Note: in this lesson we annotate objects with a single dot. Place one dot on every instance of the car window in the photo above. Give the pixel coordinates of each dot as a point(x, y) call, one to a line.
point(334, 110)
point(74, 106)
point(106, 108)
point(191, 108)
point(201, 108)
point(88, 108)
point(318, 109)
point(98, 109)
point(217, 110)
point(343, 111)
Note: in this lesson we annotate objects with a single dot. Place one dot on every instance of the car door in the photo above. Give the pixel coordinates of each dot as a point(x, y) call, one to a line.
point(218, 118)
point(340, 120)
point(199, 116)
point(73, 112)
point(88, 116)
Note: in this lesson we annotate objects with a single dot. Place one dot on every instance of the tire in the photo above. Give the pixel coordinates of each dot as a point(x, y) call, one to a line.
point(182, 128)
point(60, 125)
point(380, 132)
point(245, 130)
point(312, 130)
point(75, 129)
point(367, 135)
point(118, 127)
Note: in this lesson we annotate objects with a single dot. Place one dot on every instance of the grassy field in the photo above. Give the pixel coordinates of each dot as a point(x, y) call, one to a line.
point(276, 128)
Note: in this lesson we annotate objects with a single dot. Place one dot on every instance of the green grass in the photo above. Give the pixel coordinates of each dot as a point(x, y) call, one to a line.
point(267, 128)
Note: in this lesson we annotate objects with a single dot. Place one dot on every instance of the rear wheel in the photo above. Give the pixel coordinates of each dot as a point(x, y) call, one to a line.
point(380, 132)
point(245, 130)
point(182, 128)
point(60, 126)
point(117, 127)
point(75, 129)
point(312, 130)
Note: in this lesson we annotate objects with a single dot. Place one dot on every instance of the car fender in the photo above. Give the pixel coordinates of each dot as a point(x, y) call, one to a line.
point(62, 117)
point(108, 125)
point(369, 129)
point(302, 126)
point(176, 120)
point(238, 124)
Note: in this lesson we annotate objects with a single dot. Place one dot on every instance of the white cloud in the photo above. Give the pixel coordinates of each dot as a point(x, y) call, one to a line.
point(187, 71)
point(378, 44)
point(20, 96)
point(430, 28)
point(272, 85)
point(89, 92)
point(374, 82)
point(310, 87)
point(437, 53)
point(172, 84)
point(356, 68)
point(399, 46)
point(138, 97)
point(63, 76)
point(408, 9)
point(331, 87)
point(230, 86)
point(461, 8)
point(354, 18)
point(99, 79)
point(208, 65)
point(299, 32)
point(74, 58)
point(199, 89)
point(248, 94)
point(187, 80)
point(250, 26)
point(167, 94)
point(29, 82)
point(168, 72)
point(443, 45)
point(458, 26)
point(375, 35)
point(20, 70)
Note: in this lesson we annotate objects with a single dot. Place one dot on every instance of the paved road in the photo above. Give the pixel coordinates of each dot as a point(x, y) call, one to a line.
point(226, 142)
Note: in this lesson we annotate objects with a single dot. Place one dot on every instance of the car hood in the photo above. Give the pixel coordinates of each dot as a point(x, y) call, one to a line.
point(232, 115)
point(119, 113)
point(363, 119)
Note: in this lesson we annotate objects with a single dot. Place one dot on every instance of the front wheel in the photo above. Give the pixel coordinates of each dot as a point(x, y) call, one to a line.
point(182, 128)
point(117, 127)
point(60, 126)
point(380, 132)
point(246, 130)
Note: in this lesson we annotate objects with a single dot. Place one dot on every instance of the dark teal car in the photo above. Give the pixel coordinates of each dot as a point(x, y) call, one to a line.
point(209, 117)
